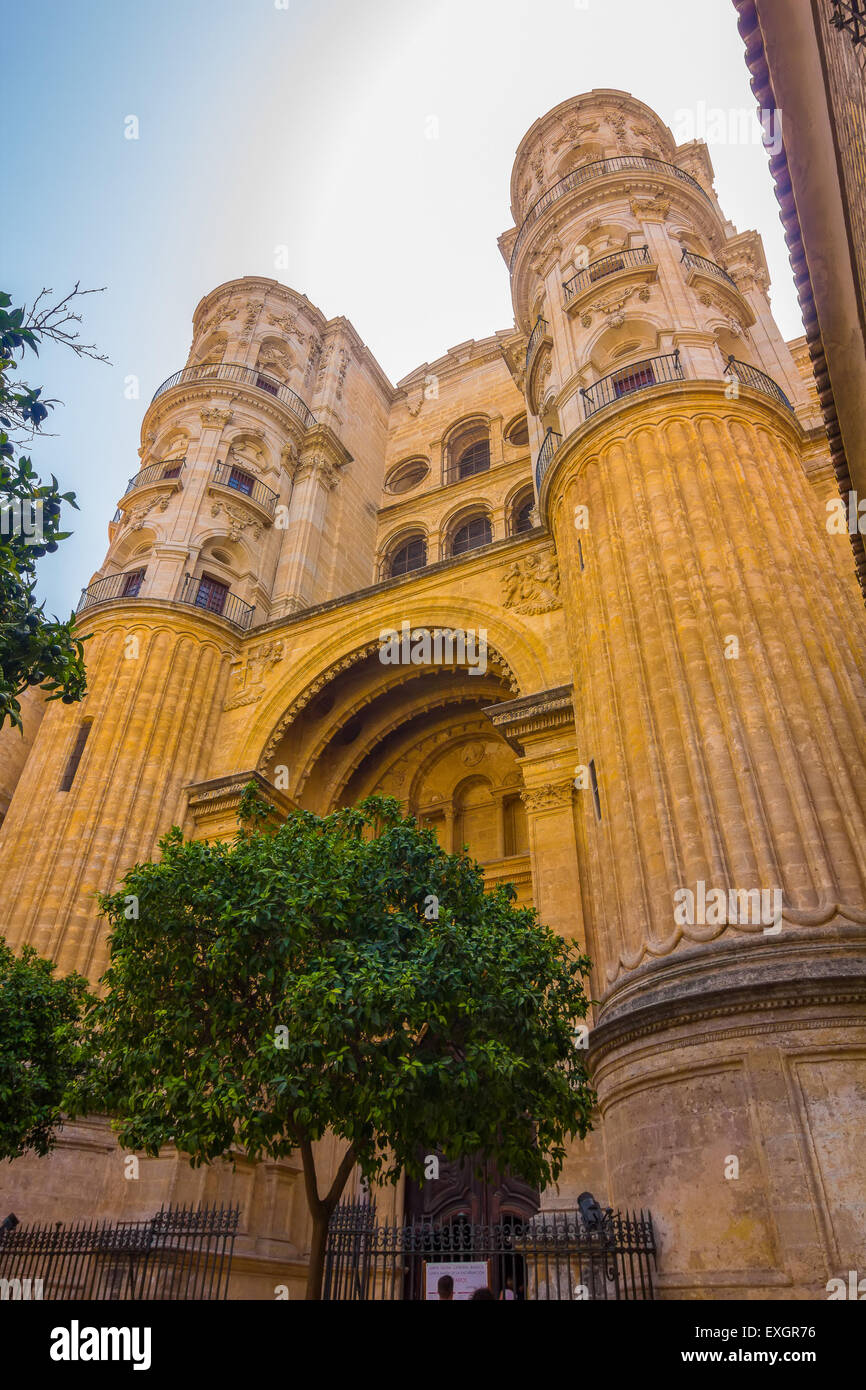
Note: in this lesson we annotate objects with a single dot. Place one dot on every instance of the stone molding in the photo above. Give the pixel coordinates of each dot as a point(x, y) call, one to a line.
point(220, 797)
point(552, 797)
point(541, 713)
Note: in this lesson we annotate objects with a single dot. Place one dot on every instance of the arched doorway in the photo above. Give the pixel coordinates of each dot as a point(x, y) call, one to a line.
point(419, 733)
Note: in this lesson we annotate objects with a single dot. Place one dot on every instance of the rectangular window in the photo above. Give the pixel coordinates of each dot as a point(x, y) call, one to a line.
point(241, 481)
point(75, 756)
point(132, 584)
point(211, 594)
point(607, 267)
point(172, 468)
point(634, 380)
point(264, 383)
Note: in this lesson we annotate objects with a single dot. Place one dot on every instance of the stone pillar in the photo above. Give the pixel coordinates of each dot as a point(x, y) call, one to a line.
point(540, 729)
point(156, 683)
point(299, 580)
point(718, 644)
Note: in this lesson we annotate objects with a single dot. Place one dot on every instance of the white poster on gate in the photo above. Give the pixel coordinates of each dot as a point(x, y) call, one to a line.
point(468, 1275)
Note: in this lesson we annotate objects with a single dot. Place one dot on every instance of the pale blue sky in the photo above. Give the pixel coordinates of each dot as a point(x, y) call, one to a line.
point(306, 126)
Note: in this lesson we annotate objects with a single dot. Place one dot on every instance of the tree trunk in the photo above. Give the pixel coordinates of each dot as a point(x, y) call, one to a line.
point(321, 1210)
point(318, 1241)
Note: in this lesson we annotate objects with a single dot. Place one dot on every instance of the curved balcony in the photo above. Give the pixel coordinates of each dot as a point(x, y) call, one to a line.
point(539, 331)
point(758, 380)
point(113, 586)
point(167, 471)
point(637, 376)
point(601, 168)
point(700, 263)
point(225, 475)
point(218, 599)
point(243, 376)
point(632, 259)
point(549, 446)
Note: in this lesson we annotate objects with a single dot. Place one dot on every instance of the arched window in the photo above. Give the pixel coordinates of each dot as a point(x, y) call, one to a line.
point(407, 475)
point(518, 432)
point(521, 513)
point(411, 555)
point(468, 452)
point(474, 459)
point(473, 533)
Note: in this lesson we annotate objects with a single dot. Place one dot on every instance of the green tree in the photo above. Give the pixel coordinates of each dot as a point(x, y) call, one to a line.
point(42, 1048)
point(339, 974)
point(34, 650)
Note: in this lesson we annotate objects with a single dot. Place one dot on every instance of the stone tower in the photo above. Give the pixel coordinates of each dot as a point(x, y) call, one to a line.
point(260, 472)
point(718, 662)
point(665, 752)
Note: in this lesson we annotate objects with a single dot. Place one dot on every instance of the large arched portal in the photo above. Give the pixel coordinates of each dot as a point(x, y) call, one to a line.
point(417, 733)
point(420, 734)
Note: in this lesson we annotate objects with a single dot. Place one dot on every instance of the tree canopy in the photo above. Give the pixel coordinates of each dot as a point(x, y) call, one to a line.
point(34, 650)
point(42, 1048)
point(342, 974)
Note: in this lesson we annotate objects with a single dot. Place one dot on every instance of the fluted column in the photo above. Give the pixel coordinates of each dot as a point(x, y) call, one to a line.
point(721, 659)
point(154, 715)
point(719, 655)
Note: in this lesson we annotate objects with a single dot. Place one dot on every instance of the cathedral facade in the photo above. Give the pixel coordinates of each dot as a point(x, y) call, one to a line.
point(573, 594)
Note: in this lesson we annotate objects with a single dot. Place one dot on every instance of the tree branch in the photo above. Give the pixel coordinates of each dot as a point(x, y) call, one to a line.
point(347, 1163)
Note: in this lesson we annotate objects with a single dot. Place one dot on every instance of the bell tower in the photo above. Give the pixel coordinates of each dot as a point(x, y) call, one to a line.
point(259, 475)
point(717, 644)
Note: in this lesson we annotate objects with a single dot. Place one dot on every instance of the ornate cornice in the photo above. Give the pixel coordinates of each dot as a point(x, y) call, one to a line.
point(221, 796)
point(613, 1035)
point(541, 713)
point(552, 797)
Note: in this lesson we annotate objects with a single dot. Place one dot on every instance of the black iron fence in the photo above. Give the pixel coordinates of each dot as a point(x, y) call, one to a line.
point(601, 168)
point(631, 259)
point(694, 262)
point(758, 380)
point(539, 328)
point(554, 1255)
point(638, 376)
point(168, 470)
point(549, 445)
point(228, 476)
point(244, 376)
point(217, 598)
point(181, 1253)
point(126, 584)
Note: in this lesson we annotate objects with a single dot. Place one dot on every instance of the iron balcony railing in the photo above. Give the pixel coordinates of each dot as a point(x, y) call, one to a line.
point(708, 267)
point(228, 476)
point(535, 337)
point(606, 265)
point(199, 593)
point(244, 376)
point(758, 380)
point(549, 446)
point(124, 585)
point(600, 168)
point(638, 376)
point(165, 471)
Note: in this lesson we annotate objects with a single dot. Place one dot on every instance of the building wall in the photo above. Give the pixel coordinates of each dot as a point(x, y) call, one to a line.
point(612, 748)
